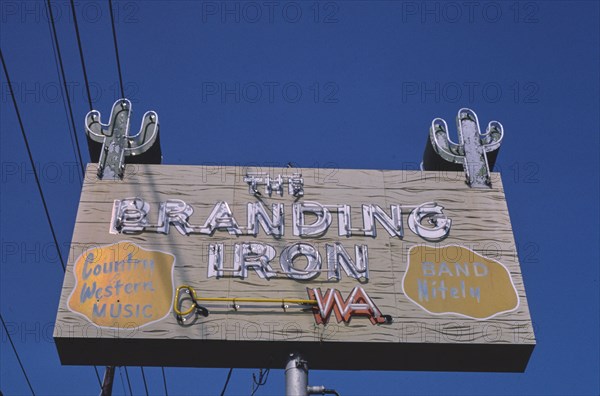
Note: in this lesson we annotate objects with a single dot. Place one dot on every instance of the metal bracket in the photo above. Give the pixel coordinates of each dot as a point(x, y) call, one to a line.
point(115, 142)
point(476, 151)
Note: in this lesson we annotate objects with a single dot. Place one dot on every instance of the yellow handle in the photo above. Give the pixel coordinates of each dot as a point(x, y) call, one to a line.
point(233, 300)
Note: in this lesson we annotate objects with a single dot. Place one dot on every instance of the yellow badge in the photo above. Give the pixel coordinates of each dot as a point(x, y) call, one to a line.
point(454, 279)
point(123, 285)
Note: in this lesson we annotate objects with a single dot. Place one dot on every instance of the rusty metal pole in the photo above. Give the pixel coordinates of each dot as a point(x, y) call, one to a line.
point(107, 384)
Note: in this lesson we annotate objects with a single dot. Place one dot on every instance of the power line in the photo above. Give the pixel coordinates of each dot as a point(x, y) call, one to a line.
point(87, 87)
point(128, 382)
point(122, 383)
point(64, 79)
point(81, 58)
point(71, 133)
point(164, 381)
point(226, 382)
point(35, 173)
point(17, 355)
point(98, 376)
point(112, 21)
point(144, 378)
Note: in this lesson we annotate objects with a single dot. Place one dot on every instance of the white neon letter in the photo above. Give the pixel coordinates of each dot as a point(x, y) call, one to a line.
point(321, 224)
point(337, 256)
point(438, 227)
point(290, 253)
point(257, 215)
point(176, 212)
point(221, 217)
point(393, 224)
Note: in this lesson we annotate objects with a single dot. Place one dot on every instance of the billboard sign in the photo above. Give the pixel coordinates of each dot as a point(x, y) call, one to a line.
point(216, 266)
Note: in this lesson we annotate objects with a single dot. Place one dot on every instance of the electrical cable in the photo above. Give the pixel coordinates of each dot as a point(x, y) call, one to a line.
point(122, 383)
point(128, 381)
point(79, 152)
point(226, 382)
point(35, 173)
point(64, 80)
point(164, 381)
point(81, 57)
point(71, 133)
point(17, 355)
point(144, 378)
point(112, 21)
point(98, 376)
point(57, 49)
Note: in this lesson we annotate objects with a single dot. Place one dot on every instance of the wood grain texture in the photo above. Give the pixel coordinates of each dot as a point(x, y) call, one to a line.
point(480, 222)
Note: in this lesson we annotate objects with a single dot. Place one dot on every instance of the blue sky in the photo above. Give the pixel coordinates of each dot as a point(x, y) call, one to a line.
point(321, 84)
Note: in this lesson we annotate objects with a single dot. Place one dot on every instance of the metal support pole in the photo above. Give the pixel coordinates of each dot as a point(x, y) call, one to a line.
point(107, 384)
point(296, 376)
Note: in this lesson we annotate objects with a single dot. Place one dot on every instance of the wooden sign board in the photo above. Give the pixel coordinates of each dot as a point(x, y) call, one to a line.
point(355, 269)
